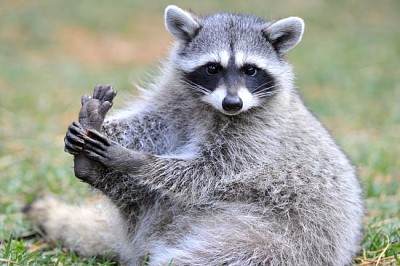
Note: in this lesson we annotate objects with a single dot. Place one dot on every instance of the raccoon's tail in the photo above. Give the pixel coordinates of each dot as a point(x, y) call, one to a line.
point(91, 229)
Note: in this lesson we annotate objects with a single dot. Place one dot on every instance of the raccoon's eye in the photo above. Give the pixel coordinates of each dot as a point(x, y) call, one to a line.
point(250, 71)
point(212, 69)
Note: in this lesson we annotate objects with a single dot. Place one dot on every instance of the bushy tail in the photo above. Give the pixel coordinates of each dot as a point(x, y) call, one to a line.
point(93, 228)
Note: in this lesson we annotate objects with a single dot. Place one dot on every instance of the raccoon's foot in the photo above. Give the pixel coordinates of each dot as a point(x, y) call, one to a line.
point(110, 153)
point(95, 107)
point(91, 116)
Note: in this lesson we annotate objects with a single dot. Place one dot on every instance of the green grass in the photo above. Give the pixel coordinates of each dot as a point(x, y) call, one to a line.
point(52, 52)
point(16, 253)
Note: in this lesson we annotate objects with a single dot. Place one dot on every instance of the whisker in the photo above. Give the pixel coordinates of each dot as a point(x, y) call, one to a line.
point(266, 94)
point(195, 86)
point(260, 87)
point(266, 91)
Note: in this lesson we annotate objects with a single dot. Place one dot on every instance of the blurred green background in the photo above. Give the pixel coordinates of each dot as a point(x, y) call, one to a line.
point(52, 52)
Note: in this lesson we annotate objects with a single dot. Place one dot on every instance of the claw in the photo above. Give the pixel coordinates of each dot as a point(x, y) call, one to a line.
point(94, 156)
point(74, 139)
point(70, 151)
point(78, 125)
point(71, 148)
point(93, 143)
point(76, 128)
point(92, 133)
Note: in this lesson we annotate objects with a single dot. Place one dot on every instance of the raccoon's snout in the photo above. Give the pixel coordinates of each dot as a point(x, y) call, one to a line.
point(232, 103)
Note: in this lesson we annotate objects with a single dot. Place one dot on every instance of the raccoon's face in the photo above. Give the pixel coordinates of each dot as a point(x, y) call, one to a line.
point(231, 85)
point(234, 62)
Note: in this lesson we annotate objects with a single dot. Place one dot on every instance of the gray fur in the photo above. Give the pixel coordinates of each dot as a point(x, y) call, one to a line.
point(196, 186)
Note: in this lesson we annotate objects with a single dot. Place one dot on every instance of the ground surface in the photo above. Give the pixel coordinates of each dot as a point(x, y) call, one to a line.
point(52, 52)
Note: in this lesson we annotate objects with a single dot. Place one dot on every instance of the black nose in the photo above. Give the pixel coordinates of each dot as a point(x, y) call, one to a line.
point(232, 103)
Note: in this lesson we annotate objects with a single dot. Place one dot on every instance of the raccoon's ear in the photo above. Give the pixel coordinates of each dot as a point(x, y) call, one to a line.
point(180, 23)
point(285, 34)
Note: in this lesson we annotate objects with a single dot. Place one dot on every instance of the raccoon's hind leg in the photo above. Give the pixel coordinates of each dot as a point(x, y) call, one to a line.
point(91, 229)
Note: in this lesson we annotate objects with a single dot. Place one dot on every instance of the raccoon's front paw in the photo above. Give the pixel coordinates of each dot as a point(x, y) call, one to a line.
point(73, 142)
point(95, 107)
point(100, 149)
point(110, 153)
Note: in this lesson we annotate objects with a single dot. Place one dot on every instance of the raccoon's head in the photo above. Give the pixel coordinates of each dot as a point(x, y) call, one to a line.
point(234, 62)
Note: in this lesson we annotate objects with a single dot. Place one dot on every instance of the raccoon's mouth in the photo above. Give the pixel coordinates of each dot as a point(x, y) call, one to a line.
point(231, 113)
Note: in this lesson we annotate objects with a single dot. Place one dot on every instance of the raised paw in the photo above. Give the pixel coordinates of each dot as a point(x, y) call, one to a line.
point(73, 140)
point(95, 107)
point(103, 93)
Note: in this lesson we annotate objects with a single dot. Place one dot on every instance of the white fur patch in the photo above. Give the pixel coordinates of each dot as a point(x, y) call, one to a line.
point(259, 61)
point(242, 59)
point(187, 152)
point(224, 58)
point(239, 59)
point(215, 98)
point(248, 100)
point(190, 64)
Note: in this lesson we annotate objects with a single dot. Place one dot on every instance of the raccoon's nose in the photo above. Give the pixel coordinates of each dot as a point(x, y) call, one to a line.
point(232, 103)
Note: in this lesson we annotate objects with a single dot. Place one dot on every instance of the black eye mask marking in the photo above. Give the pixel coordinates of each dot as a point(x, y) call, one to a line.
point(258, 81)
point(208, 77)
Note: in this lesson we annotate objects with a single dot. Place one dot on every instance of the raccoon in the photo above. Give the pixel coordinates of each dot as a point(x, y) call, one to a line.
point(218, 163)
